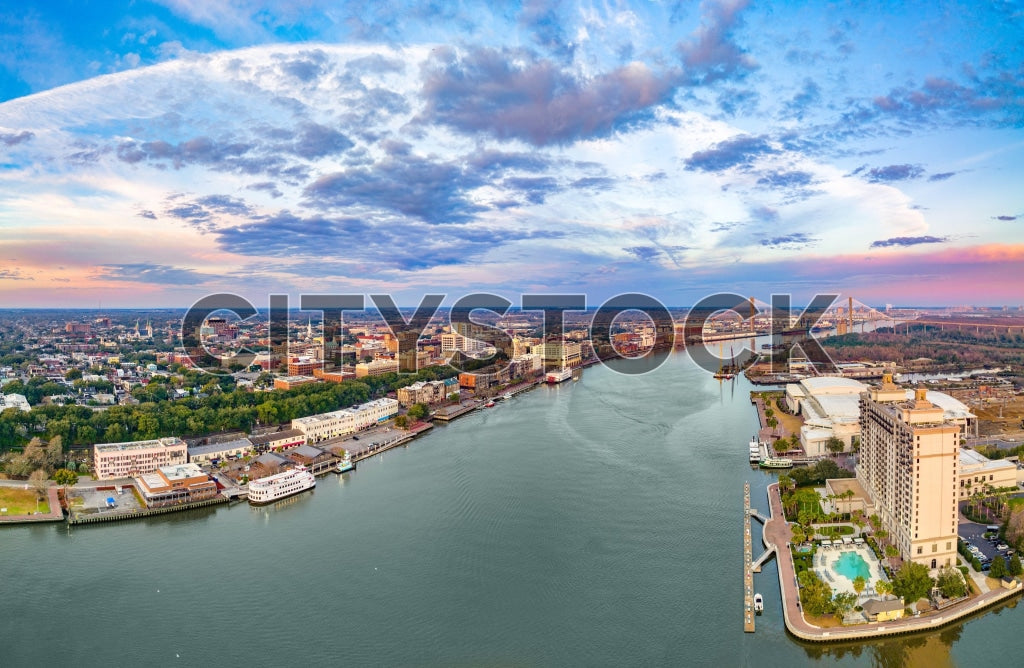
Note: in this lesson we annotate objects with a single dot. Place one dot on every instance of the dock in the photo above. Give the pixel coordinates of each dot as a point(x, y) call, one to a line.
point(748, 572)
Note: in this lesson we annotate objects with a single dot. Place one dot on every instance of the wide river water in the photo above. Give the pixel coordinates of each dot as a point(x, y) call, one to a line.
point(593, 523)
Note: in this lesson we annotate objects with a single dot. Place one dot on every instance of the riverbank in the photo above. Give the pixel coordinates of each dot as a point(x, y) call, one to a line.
point(55, 514)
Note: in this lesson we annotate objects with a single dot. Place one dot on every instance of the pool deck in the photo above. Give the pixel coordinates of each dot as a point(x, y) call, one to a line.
point(778, 534)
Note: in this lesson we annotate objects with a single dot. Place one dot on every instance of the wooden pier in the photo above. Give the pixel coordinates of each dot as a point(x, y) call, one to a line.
point(748, 573)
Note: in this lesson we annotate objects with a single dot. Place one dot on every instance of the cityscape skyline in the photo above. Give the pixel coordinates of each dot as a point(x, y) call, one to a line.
point(152, 153)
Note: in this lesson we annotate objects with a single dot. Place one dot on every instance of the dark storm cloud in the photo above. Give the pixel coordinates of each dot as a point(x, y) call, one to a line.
point(513, 94)
point(892, 173)
point(712, 54)
point(158, 274)
point(735, 152)
point(410, 185)
point(908, 241)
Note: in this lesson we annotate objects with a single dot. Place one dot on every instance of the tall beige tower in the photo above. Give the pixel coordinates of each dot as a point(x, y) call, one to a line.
point(909, 465)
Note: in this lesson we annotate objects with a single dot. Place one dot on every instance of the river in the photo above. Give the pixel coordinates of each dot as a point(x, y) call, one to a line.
point(593, 523)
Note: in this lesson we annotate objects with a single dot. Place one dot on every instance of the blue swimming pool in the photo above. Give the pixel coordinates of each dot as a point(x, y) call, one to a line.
point(850, 565)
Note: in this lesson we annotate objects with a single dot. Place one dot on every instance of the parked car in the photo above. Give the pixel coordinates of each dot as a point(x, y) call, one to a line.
point(1002, 546)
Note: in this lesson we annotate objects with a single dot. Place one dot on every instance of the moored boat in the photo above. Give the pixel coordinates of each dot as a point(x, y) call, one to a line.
point(280, 485)
point(559, 376)
point(758, 603)
point(776, 463)
point(345, 465)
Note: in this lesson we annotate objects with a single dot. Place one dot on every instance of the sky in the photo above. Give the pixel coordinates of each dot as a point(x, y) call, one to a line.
point(152, 153)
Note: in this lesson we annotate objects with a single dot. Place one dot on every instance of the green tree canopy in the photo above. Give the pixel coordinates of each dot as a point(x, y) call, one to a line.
point(912, 582)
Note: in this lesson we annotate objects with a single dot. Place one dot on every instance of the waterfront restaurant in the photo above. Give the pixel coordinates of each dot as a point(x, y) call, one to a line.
point(180, 483)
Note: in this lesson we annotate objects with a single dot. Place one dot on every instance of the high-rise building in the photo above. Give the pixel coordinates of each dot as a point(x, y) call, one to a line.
point(910, 453)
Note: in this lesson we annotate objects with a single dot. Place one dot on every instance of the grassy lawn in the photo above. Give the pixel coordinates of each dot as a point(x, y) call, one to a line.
point(1015, 502)
point(19, 501)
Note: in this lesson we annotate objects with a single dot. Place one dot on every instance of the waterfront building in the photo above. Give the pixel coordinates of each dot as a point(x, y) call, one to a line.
point(910, 456)
point(345, 421)
point(427, 392)
point(454, 342)
point(482, 380)
point(202, 454)
point(377, 367)
point(278, 440)
point(563, 354)
point(313, 458)
point(180, 483)
point(883, 610)
point(121, 460)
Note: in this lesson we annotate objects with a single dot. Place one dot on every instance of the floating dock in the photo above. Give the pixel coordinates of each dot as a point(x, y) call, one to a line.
point(748, 573)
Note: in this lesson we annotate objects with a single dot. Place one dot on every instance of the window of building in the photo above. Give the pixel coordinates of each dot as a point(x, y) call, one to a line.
point(920, 549)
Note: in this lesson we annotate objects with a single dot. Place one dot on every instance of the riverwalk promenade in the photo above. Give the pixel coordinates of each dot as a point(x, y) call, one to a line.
point(778, 534)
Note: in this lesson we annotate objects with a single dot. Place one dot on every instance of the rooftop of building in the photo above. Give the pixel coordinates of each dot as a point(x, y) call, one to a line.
point(831, 385)
point(975, 461)
point(165, 442)
point(263, 439)
point(181, 471)
point(237, 444)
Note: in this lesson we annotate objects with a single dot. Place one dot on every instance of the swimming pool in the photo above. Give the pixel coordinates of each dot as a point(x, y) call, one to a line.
point(851, 565)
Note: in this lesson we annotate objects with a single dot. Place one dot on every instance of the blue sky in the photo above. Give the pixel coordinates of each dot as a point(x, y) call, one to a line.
point(154, 152)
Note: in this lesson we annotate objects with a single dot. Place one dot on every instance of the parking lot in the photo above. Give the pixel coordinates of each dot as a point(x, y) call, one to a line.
point(94, 501)
point(972, 533)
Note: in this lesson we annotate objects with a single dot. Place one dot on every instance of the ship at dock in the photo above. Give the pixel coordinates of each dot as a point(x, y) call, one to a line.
point(558, 376)
point(281, 485)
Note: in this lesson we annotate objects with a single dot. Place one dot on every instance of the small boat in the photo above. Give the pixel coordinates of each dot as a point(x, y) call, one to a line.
point(345, 465)
point(489, 404)
point(758, 604)
point(755, 450)
point(508, 395)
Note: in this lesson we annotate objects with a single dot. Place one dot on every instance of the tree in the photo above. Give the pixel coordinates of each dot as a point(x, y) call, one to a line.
point(785, 483)
point(799, 534)
point(419, 411)
point(453, 397)
point(834, 445)
point(402, 421)
point(912, 582)
point(859, 583)
point(815, 594)
point(843, 602)
point(39, 483)
point(998, 567)
point(55, 452)
point(65, 477)
point(1015, 566)
point(883, 587)
point(951, 583)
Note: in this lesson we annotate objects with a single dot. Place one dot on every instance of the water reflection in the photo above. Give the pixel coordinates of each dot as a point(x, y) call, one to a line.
point(926, 650)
